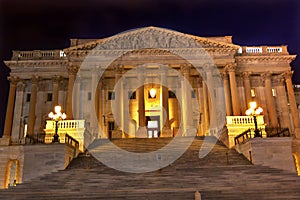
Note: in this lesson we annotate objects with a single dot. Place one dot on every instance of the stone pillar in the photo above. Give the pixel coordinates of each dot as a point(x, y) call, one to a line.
point(118, 108)
point(100, 110)
point(142, 130)
point(77, 98)
point(166, 130)
point(227, 94)
point(10, 106)
point(18, 118)
point(187, 109)
point(292, 101)
point(270, 100)
point(206, 120)
point(72, 70)
point(234, 90)
point(56, 80)
point(32, 105)
point(247, 87)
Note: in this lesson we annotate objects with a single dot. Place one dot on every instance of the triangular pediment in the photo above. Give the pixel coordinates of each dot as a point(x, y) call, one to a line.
point(152, 37)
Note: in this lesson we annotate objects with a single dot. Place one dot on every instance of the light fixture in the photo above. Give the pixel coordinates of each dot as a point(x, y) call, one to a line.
point(57, 116)
point(152, 90)
point(254, 111)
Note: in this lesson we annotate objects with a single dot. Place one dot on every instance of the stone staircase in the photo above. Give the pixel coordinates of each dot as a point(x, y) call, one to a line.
point(222, 174)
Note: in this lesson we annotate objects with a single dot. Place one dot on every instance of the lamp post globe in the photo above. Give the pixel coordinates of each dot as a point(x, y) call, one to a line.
point(57, 116)
point(254, 111)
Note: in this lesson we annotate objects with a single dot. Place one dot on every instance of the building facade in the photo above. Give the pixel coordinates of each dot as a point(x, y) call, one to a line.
point(149, 82)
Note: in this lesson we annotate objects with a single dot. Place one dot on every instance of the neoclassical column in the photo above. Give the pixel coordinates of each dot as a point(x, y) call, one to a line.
point(32, 104)
point(187, 113)
point(165, 99)
point(10, 106)
point(119, 113)
point(56, 80)
point(206, 120)
point(227, 94)
point(233, 89)
point(270, 99)
point(18, 117)
point(292, 101)
point(72, 70)
point(247, 87)
point(142, 132)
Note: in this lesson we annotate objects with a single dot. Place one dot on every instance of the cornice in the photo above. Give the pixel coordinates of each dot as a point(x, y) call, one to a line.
point(34, 63)
point(280, 58)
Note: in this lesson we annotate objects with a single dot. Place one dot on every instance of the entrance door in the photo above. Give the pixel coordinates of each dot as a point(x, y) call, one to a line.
point(153, 126)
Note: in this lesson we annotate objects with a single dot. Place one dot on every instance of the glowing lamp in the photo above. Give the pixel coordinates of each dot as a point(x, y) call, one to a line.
point(152, 92)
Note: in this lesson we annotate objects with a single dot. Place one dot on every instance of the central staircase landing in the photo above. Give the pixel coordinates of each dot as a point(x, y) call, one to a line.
point(222, 174)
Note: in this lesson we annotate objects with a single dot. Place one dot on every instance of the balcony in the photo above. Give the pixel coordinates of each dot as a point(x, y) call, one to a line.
point(74, 128)
point(265, 50)
point(39, 55)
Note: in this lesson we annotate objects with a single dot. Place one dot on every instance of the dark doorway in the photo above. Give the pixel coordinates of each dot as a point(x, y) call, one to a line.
point(153, 126)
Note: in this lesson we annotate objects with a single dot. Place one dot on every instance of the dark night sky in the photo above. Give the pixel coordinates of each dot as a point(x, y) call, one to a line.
point(49, 24)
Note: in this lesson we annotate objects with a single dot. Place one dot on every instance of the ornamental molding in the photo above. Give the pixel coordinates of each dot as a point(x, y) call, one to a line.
point(35, 63)
point(151, 37)
point(246, 59)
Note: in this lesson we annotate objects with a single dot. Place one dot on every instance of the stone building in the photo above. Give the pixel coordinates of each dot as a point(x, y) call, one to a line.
point(106, 82)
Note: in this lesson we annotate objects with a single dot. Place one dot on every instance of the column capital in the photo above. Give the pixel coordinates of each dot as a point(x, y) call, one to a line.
point(21, 86)
point(185, 68)
point(266, 75)
point(35, 79)
point(13, 79)
point(288, 74)
point(246, 75)
point(72, 70)
point(224, 75)
point(56, 79)
point(230, 67)
point(118, 69)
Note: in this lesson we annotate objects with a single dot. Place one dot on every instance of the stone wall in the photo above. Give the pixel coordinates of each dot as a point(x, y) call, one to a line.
point(271, 152)
point(32, 161)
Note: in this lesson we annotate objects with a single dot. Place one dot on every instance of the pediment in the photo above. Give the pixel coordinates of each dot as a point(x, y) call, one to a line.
point(152, 37)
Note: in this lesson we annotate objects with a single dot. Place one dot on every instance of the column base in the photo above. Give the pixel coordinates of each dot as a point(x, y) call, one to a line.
point(116, 134)
point(297, 133)
point(166, 132)
point(190, 131)
point(141, 132)
point(4, 141)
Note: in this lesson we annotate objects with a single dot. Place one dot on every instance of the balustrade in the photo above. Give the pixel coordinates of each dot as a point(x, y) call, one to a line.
point(264, 50)
point(38, 54)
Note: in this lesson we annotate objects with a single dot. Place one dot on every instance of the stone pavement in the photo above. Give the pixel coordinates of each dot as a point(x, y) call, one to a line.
point(223, 174)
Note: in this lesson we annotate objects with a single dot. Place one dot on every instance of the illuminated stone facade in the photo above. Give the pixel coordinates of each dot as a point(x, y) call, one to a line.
point(84, 78)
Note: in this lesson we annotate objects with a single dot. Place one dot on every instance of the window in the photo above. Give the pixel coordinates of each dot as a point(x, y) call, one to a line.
point(111, 95)
point(111, 127)
point(28, 97)
point(193, 92)
point(172, 94)
point(252, 92)
point(49, 97)
point(89, 96)
point(274, 92)
point(131, 95)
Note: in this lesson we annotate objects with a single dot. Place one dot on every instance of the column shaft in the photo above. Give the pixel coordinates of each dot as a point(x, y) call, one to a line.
point(206, 120)
point(32, 105)
point(247, 87)
point(72, 75)
point(227, 94)
point(55, 90)
point(234, 90)
point(270, 100)
point(10, 106)
point(292, 101)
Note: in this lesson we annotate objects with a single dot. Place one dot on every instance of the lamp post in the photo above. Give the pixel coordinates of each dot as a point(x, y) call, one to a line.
point(57, 116)
point(254, 111)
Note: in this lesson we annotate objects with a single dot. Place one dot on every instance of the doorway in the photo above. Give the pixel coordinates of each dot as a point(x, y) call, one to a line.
point(153, 127)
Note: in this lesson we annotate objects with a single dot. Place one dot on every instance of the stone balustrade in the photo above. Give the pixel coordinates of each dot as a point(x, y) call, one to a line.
point(264, 50)
point(74, 128)
point(244, 120)
point(39, 54)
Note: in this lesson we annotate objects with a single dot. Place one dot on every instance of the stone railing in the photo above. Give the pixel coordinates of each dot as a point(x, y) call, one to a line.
point(73, 128)
point(244, 120)
point(264, 50)
point(39, 55)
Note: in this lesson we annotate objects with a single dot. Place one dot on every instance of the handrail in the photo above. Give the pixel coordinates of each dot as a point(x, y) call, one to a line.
point(278, 132)
point(71, 141)
point(244, 135)
point(39, 139)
